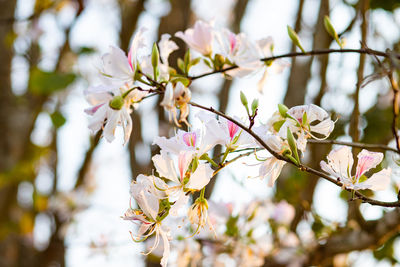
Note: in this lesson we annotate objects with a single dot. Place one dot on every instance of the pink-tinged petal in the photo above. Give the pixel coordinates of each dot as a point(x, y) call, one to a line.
point(92, 110)
point(97, 121)
point(297, 112)
point(184, 159)
point(201, 177)
point(138, 42)
point(199, 37)
point(366, 161)
point(165, 167)
point(233, 129)
point(116, 65)
point(378, 181)
point(190, 139)
point(232, 41)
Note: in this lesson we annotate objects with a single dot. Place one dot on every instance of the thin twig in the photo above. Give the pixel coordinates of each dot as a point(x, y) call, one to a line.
point(354, 144)
point(396, 97)
point(226, 163)
point(297, 54)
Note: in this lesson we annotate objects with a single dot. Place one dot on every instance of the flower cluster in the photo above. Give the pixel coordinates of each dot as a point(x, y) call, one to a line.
point(298, 123)
point(184, 167)
point(128, 79)
point(246, 236)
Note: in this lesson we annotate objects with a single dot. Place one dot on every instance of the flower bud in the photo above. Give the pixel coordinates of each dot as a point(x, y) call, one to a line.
point(295, 38)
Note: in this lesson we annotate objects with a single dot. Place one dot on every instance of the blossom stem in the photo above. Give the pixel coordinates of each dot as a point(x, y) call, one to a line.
point(227, 151)
point(202, 192)
point(210, 160)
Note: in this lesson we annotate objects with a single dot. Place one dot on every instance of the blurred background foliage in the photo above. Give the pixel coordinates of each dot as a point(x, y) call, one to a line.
point(50, 74)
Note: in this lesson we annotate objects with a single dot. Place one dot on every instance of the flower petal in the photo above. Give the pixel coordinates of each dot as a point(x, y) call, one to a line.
point(201, 177)
point(366, 161)
point(378, 181)
point(165, 167)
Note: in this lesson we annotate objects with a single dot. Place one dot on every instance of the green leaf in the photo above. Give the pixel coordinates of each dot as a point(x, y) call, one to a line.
point(58, 119)
point(295, 38)
point(46, 83)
